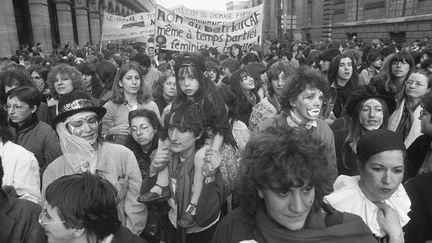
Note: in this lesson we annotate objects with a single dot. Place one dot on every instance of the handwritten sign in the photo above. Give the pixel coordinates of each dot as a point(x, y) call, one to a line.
point(184, 29)
point(138, 25)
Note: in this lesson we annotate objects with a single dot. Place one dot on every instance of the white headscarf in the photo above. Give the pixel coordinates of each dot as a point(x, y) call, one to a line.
point(78, 152)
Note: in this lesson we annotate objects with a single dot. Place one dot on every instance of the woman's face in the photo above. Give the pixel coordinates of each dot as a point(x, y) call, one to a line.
point(308, 104)
point(345, 68)
point(189, 85)
point(400, 69)
point(63, 84)
point(371, 114)
point(382, 175)
point(416, 86)
point(235, 51)
point(131, 82)
point(247, 83)
point(278, 83)
point(169, 87)
point(38, 82)
point(377, 63)
point(212, 74)
point(290, 209)
point(87, 80)
point(84, 125)
point(18, 111)
point(142, 131)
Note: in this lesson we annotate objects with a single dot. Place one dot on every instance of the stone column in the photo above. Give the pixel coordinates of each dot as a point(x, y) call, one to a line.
point(81, 14)
point(95, 30)
point(64, 17)
point(41, 24)
point(8, 30)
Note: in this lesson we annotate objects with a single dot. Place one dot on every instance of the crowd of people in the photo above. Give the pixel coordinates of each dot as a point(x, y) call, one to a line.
point(282, 142)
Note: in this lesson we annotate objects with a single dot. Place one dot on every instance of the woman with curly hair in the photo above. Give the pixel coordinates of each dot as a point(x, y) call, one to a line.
point(62, 79)
point(301, 102)
point(282, 184)
point(130, 92)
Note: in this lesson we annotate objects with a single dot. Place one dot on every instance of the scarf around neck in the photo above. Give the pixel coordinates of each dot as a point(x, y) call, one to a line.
point(325, 225)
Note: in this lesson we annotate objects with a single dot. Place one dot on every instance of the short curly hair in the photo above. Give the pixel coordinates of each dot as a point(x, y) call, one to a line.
point(278, 159)
point(64, 69)
point(304, 78)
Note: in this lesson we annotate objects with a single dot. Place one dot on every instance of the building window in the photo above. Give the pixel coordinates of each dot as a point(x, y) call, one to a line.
point(309, 12)
point(399, 8)
point(354, 10)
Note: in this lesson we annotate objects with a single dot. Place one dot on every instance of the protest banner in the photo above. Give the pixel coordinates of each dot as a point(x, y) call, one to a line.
point(219, 29)
point(214, 17)
point(141, 25)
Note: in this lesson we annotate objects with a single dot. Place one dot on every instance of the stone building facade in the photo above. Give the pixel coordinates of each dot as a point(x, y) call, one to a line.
point(399, 20)
point(57, 22)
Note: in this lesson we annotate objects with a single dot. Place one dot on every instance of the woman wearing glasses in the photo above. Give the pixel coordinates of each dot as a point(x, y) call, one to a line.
point(34, 135)
point(405, 118)
point(77, 125)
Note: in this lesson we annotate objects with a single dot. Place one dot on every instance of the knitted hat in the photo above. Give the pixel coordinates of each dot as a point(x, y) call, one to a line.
point(73, 103)
point(377, 141)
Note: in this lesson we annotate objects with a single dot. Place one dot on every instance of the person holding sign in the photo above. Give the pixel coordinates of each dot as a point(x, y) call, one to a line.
point(194, 89)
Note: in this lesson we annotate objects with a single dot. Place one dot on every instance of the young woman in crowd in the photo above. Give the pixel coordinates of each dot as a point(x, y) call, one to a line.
point(243, 85)
point(145, 129)
point(62, 79)
point(130, 93)
point(77, 125)
point(283, 179)
point(377, 194)
point(400, 67)
point(343, 80)
point(278, 74)
point(373, 65)
point(92, 83)
point(367, 110)
point(34, 135)
point(236, 52)
point(405, 118)
point(165, 90)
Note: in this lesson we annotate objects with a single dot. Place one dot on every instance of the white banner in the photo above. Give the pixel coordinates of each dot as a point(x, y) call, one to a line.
point(184, 29)
point(140, 25)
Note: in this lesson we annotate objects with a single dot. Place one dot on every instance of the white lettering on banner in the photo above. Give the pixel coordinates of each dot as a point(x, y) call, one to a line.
point(188, 30)
point(117, 27)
